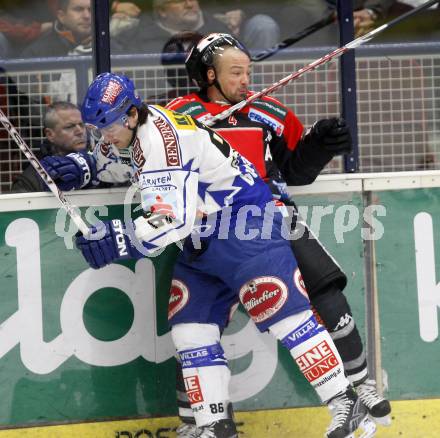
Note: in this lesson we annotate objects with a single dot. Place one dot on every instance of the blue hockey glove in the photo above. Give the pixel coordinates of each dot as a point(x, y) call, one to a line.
point(73, 171)
point(333, 135)
point(105, 244)
point(278, 189)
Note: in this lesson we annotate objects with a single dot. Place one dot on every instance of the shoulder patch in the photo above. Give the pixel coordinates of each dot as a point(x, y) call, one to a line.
point(180, 121)
point(193, 109)
point(272, 107)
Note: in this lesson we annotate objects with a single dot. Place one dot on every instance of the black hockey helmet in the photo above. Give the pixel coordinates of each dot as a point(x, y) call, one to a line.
point(201, 56)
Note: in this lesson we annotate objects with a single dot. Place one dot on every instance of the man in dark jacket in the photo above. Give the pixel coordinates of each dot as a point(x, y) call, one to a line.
point(65, 133)
point(71, 33)
point(169, 18)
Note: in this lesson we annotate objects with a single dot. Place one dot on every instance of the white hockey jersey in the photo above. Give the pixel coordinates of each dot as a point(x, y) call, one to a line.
point(183, 170)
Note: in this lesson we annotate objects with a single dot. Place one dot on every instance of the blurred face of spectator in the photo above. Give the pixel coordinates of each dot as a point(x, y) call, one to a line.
point(68, 133)
point(77, 18)
point(232, 69)
point(179, 14)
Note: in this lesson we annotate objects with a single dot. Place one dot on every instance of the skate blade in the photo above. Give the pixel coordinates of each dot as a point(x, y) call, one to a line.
point(382, 421)
point(367, 429)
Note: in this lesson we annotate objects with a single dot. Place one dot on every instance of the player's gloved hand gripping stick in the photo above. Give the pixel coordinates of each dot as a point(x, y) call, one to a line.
point(72, 171)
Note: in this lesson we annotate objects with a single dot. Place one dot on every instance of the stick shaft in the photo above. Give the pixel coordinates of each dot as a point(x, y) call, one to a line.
point(43, 173)
point(295, 38)
point(323, 60)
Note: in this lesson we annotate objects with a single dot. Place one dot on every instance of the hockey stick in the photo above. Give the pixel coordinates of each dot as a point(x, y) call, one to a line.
point(43, 173)
point(295, 38)
point(324, 60)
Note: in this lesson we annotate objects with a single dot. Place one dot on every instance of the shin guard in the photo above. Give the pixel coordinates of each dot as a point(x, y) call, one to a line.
point(314, 352)
point(205, 371)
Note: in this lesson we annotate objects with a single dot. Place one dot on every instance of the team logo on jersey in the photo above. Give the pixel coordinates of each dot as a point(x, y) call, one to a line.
point(193, 389)
point(318, 361)
point(105, 149)
point(262, 297)
point(170, 144)
point(258, 116)
point(179, 296)
point(158, 210)
point(111, 92)
point(299, 282)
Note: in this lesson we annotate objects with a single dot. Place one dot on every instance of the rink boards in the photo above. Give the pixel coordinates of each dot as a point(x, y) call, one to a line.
point(78, 345)
point(411, 419)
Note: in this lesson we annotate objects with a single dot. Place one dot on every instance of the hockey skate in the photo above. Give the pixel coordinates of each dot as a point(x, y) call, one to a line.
point(187, 430)
point(218, 429)
point(378, 407)
point(349, 415)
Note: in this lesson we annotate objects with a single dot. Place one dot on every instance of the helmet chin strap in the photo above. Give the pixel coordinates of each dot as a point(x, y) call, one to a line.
point(217, 85)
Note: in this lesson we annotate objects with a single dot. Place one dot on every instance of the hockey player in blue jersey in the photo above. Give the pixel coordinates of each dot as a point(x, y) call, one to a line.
point(189, 177)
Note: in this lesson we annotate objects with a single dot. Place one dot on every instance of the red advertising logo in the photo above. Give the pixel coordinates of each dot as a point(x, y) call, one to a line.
point(317, 361)
point(263, 297)
point(299, 282)
point(111, 92)
point(193, 390)
point(179, 296)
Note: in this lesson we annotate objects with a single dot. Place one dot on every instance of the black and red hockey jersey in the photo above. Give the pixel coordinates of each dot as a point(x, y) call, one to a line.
point(266, 132)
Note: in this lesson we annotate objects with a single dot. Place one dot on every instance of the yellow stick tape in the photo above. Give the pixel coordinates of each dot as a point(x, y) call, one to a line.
point(411, 419)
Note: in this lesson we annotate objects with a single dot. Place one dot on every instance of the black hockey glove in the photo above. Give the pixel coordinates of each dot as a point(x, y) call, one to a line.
point(323, 141)
point(333, 135)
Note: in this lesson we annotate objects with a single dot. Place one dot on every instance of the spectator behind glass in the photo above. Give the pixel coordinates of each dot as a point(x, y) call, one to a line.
point(295, 15)
point(65, 133)
point(71, 33)
point(423, 26)
point(170, 17)
point(173, 60)
point(125, 16)
point(248, 21)
point(21, 22)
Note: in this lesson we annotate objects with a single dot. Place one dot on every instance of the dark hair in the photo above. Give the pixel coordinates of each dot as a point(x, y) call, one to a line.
point(143, 112)
point(50, 113)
